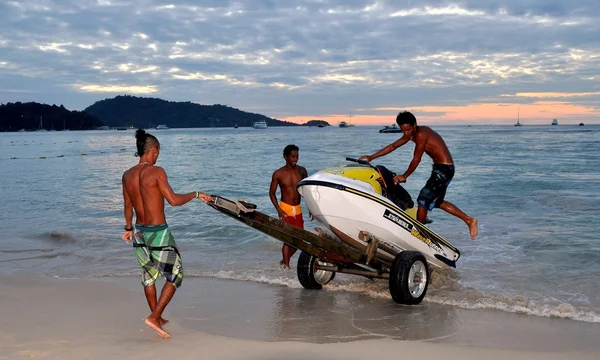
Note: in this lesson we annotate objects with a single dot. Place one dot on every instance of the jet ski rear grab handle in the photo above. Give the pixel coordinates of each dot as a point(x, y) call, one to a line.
point(340, 256)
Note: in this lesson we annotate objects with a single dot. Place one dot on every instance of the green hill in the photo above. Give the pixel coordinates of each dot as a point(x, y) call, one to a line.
point(32, 115)
point(140, 112)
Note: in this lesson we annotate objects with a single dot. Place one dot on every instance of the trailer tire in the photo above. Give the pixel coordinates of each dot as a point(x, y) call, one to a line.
point(308, 277)
point(409, 278)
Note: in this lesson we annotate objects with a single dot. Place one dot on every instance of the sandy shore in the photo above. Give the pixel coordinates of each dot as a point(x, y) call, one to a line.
point(220, 319)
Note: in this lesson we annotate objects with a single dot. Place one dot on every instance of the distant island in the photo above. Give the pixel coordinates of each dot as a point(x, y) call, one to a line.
point(140, 112)
point(34, 116)
point(317, 123)
point(125, 111)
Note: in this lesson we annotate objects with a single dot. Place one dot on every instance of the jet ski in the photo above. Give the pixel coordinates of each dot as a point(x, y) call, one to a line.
point(359, 199)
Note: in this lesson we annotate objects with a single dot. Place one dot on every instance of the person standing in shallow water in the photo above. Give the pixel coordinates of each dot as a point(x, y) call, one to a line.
point(431, 143)
point(145, 188)
point(289, 210)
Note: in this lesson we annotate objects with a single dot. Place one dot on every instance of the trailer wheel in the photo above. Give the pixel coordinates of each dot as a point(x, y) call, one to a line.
point(309, 277)
point(409, 278)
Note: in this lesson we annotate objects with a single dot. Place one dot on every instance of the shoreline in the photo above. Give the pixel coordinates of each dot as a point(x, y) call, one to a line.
point(48, 318)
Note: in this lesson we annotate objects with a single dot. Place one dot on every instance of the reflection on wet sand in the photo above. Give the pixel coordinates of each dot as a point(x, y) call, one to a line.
point(275, 313)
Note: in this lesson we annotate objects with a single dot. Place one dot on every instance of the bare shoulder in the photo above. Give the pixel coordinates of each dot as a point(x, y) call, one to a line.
point(127, 173)
point(302, 170)
point(278, 172)
point(424, 132)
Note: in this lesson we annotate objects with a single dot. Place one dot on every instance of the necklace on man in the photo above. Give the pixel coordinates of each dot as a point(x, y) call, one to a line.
point(144, 163)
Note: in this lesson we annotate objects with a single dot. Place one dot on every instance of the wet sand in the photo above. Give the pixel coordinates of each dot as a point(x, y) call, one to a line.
point(224, 319)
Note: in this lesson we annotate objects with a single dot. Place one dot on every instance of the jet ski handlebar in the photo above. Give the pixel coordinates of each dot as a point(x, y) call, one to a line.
point(362, 162)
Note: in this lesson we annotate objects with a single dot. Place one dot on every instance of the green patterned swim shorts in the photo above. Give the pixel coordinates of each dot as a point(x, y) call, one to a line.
point(157, 253)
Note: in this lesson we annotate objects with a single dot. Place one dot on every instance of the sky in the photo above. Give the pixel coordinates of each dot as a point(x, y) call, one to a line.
point(448, 62)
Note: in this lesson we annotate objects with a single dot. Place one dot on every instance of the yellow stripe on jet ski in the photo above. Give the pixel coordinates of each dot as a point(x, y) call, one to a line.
point(403, 214)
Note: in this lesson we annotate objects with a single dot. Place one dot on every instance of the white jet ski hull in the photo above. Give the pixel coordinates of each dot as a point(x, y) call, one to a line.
point(347, 206)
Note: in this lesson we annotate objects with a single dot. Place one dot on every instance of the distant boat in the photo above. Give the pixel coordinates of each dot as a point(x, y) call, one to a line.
point(235, 126)
point(344, 124)
point(518, 122)
point(390, 129)
point(41, 129)
point(162, 127)
point(581, 124)
point(260, 125)
point(320, 125)
point(555, 122)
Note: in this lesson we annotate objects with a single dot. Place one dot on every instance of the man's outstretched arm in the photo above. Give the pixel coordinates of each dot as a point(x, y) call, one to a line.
point(176, 199)
point(388, 149)
point(416, 160)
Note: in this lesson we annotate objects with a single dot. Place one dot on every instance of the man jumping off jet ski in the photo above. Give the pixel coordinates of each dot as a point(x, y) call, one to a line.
point(430, 142)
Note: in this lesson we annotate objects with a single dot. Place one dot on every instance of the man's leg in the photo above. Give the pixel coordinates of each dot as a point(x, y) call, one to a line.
point(154, 320)
point(421, 214)
point(287, 252)
point(452, 209)
point(150, 292)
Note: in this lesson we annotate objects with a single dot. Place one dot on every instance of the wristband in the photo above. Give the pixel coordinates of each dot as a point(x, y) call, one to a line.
point(128, 229)
point(197, 194)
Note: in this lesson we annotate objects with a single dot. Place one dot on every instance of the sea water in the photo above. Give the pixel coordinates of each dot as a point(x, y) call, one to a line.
point(534, 190)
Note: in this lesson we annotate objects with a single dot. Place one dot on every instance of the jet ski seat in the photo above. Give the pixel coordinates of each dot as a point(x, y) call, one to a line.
point(392, 191)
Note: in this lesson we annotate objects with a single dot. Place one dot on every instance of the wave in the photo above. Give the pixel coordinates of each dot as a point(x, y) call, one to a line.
point(445, 289)
point(443, 292)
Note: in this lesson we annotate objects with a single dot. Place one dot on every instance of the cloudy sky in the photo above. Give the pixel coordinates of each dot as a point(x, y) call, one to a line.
point(473, 61)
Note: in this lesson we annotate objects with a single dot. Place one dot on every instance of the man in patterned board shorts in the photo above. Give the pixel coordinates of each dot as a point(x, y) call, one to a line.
point(431, 143)
point(145, 189)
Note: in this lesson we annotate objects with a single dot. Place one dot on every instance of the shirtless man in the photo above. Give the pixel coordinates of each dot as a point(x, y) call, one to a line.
point(289, 210)
point(430, 142)
point(145, 188)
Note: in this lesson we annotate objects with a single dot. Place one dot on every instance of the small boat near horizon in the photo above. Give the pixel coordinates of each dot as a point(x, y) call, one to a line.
point(260, 125)
point(162, 127)
point(518, 118)
point(391, 129)
point(555, 121)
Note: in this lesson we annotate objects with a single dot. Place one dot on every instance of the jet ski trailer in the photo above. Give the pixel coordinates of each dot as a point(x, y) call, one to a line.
point(323, 254)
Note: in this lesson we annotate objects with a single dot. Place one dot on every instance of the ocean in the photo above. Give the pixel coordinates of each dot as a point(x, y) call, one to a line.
point(534, 190)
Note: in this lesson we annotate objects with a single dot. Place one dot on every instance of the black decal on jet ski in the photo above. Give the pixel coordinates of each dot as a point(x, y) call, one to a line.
point(397, 220)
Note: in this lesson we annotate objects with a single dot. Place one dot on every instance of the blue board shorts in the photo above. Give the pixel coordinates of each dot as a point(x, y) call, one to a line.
point(433, 193)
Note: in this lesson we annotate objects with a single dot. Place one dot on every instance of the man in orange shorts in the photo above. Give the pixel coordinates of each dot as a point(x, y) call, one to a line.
point(289, 210)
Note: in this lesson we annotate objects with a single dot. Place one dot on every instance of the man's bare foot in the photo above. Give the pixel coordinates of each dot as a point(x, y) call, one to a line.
point(473, 228)
point(154, 325)
point(163, 322)
point(283, 265)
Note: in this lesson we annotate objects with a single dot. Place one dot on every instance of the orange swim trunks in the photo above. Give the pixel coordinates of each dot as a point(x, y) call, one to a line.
point(294, 213)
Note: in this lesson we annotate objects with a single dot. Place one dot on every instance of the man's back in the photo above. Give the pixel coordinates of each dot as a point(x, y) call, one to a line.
point(435, 146)
point(131, 183)
point(152, 199)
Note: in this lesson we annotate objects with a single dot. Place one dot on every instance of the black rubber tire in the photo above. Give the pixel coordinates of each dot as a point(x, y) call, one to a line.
point(306, 274)
point(399, 277)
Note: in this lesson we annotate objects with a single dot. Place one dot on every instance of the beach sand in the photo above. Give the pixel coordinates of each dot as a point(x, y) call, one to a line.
point(47, 318)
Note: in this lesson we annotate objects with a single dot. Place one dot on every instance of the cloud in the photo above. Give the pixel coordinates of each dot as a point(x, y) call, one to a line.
point(304, 59)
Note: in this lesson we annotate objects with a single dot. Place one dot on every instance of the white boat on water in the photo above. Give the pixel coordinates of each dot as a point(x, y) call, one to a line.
point(260, 125)
point(162, 127)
